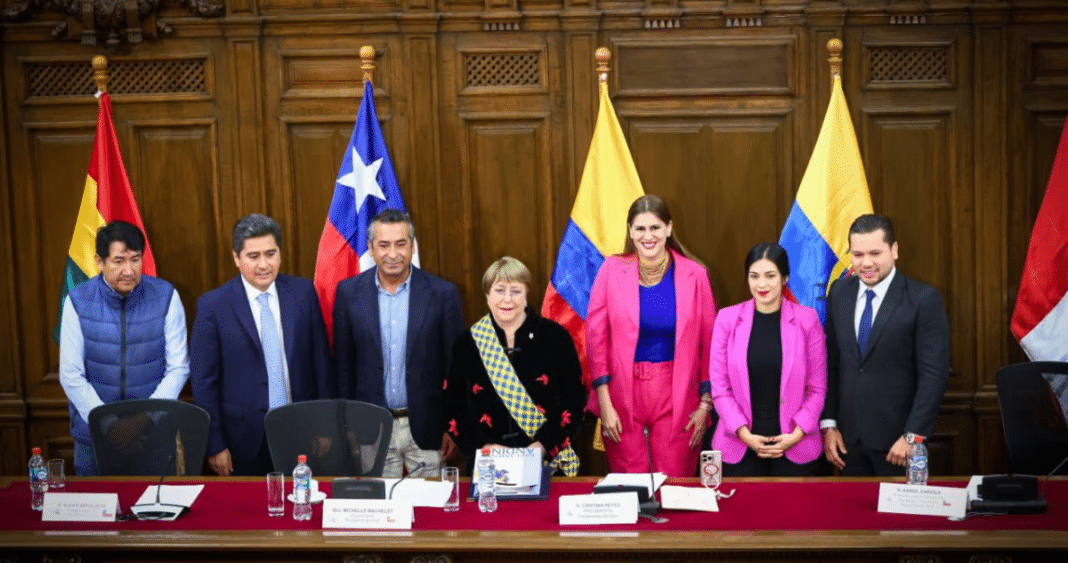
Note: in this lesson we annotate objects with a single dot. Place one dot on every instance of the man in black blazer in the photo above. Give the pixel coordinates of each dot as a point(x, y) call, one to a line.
point(887, 357)
point(394, 328)
point(240, 366)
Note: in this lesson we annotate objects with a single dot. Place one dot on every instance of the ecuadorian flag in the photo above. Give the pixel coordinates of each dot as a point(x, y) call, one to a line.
point(597, 227)
point(107, 197)
point(833, 193)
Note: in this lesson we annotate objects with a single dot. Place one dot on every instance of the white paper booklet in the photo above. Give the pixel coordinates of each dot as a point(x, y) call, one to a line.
point(518, 470)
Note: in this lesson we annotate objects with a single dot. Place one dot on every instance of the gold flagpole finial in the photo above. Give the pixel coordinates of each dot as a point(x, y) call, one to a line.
point(834, 47)
point(603, 55)
point(100, 73)
point(367, 55)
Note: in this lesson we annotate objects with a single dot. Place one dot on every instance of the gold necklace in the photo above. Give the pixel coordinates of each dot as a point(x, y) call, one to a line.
point(651, 274)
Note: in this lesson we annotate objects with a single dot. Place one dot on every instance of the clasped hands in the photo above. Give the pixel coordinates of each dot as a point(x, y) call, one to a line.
point(769, 447)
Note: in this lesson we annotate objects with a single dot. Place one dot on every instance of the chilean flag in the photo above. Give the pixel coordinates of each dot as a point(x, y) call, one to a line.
point(1040, 319)
point(366, 186)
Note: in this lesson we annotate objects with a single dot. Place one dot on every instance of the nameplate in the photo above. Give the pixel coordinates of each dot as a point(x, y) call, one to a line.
point(923, 500)
point(367, 514)
point(80, 507)
point(605, 508)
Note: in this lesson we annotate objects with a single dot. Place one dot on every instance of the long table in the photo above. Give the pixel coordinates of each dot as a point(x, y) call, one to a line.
point(765, 520)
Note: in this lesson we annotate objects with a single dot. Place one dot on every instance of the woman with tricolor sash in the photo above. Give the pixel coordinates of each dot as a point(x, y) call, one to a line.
point(648, 332)
point(515, 379)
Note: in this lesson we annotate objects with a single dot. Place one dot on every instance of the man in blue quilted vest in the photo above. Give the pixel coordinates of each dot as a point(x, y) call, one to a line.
point(122, 336)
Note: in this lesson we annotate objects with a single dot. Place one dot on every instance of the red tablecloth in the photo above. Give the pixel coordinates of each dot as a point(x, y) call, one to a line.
point(813, 505)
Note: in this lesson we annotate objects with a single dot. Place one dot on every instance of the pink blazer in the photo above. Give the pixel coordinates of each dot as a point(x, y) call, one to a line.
point(804, 378)
point(612, 325)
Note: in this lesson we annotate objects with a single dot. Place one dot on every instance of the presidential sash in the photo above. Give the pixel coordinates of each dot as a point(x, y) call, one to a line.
point(511, 391)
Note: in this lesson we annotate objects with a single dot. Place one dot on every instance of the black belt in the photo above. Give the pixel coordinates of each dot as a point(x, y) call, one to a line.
point(399, 413)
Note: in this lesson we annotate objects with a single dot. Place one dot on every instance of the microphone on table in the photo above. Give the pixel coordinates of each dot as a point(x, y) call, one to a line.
point(403, 477)
point(650, 507)
point(157, 510)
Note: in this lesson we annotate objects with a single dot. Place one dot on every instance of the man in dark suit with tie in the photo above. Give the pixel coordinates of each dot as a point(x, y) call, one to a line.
point(394, 328)
point(887, 357)
point(258, 343)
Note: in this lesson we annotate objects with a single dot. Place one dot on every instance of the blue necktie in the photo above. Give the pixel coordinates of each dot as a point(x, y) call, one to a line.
point(272, 355)
point(865, 323)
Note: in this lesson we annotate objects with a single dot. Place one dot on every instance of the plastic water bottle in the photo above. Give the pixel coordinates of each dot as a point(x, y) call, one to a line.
point(487, 473)
point(917, 468)
point(38, 480)
point(302, 474)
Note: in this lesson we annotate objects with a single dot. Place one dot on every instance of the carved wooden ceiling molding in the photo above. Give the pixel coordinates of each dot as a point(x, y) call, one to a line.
point(112, 19)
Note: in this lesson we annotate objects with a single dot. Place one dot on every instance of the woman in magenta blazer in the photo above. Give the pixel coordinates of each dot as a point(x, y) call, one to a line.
point(647, 334)
point(769, 376)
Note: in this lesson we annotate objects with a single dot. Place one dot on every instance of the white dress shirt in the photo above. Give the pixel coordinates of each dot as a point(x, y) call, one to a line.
point(253, 295)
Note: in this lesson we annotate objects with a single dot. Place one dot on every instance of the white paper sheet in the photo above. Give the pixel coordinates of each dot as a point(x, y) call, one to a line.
point(420, 492)
point(673, 497)
point(181, 495)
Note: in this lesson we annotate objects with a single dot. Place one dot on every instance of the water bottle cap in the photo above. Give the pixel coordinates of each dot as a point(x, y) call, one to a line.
point(302, 458)
point(36, 451)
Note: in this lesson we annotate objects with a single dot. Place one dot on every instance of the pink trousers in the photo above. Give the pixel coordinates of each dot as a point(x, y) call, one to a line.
point(670, 447)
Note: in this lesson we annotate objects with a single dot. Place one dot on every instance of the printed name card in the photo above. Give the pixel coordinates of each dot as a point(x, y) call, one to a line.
point(367, 514)
point(80, 507)
point(608, 508)
point(923, 500)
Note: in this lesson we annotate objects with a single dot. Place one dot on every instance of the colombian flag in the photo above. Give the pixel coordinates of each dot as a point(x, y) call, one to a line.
point(597, 227)
point(833, 193)
point(107, 197)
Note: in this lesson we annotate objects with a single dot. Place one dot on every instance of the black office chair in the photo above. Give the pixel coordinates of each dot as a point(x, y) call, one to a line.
point(342, 438)
point(1036, 433)
point(149, 437)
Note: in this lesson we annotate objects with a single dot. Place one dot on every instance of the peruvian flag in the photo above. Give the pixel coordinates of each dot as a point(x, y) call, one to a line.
point(1040, 320)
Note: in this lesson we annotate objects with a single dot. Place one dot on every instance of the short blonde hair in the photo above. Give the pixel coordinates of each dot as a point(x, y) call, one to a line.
point(506, 269)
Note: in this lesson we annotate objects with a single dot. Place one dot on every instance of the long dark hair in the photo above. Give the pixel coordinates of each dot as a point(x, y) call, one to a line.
point(655, 205)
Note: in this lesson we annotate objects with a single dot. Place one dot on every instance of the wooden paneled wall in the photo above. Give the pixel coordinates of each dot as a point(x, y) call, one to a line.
point(488, 107)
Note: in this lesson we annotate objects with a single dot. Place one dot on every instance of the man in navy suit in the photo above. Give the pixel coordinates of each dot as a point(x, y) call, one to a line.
point(394, 327)
point(887, 357)
point(258, 342)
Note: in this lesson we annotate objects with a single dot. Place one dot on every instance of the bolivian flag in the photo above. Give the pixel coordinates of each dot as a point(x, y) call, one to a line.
point(107, 197)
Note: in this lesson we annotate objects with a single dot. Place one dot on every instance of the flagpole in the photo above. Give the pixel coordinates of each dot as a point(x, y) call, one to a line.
point(367, 55)
point(834, 47)
point(100, 74)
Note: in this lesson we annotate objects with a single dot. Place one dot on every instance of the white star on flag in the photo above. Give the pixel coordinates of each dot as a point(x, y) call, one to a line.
point(363, 179)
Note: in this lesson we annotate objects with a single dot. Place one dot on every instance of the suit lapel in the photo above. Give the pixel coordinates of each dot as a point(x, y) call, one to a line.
point(369, 297)
point(787, 331)
point(685, 298)
point(743, 328)
point(243, 310)
point(628, 288)
point(287, 308)
point(847, 311)
point(418, 293)
point(894, 294)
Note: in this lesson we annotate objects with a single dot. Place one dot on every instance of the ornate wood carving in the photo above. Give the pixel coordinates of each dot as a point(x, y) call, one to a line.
point(113, 18)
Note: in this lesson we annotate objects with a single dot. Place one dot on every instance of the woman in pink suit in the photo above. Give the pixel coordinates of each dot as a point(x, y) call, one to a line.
point(647, 334)
point(769, 376)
